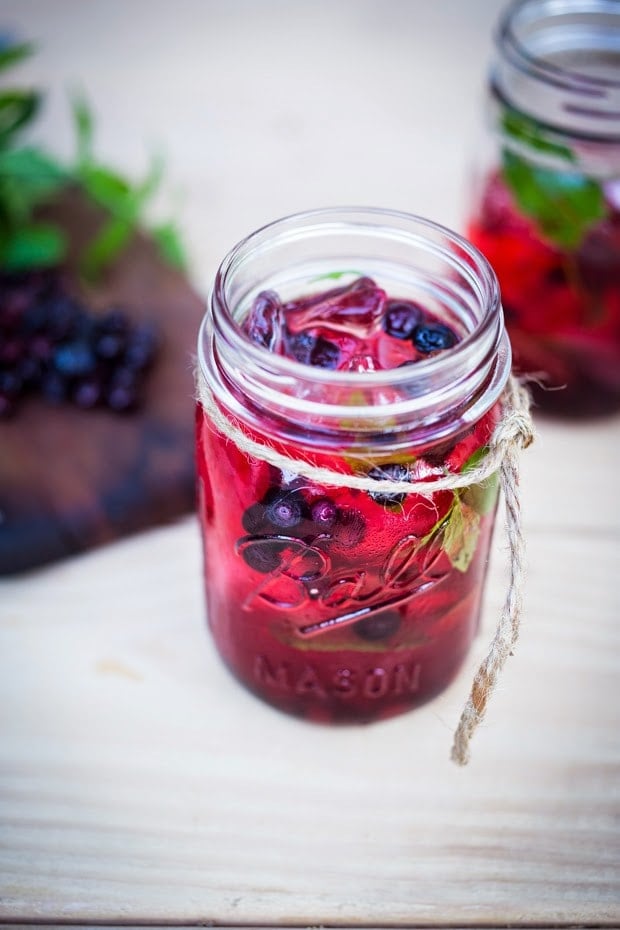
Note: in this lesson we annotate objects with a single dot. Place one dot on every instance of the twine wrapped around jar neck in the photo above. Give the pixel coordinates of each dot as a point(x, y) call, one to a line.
point(513, 433)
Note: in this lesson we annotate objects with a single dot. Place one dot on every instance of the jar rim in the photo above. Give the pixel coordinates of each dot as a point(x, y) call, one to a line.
point(255, 384)
point(480, 264)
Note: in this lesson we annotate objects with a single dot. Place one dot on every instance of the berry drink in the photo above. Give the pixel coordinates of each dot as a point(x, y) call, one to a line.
point(547, 211)
point(335, 603)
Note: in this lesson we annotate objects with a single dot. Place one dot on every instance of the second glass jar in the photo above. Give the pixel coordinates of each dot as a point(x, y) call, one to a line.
point(547, 207)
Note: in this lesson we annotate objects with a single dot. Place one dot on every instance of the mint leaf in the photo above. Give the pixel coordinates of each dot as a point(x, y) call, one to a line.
point(12, 54)
point(336, 275)
point(17, 107)
point(31, 167)
point(563, 204)
point(483, 496)
point(460, 534)
point(168, 241)
point(33, 246)
point(27, 178)
point(526, 130)
point(84, 128)
point(107, 188)
point(106, 246)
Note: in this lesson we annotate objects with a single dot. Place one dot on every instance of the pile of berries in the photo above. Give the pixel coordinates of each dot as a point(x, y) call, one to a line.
point(54, 346)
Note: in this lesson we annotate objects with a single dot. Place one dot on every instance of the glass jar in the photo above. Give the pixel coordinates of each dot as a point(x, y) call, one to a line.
point(546, 209)
point(330, 601)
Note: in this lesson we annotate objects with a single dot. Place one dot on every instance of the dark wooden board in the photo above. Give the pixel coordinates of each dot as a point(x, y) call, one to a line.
point(70, 479)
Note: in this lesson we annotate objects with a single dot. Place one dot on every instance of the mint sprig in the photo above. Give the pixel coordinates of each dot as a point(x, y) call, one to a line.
point(30, 177)
point(563, 202)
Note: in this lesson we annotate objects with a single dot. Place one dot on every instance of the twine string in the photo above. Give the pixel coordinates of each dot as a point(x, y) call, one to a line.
point(513, 433)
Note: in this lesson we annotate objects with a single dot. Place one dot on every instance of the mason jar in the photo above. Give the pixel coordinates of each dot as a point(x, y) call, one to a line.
point(325, 598)
point(546, 207)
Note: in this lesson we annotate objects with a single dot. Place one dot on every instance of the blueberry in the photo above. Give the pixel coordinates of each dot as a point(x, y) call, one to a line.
point(121, 398)
point(109, 346)
point(254, 519)
point(381, 626)
point(285, 510)
point(324, 354)
point(432, 337)
point(113, 323)
point(87, 394)
point(349, 528)
point(141, 347)
point(62, 315)
point(263, 555)
point(393, 471)
point(10, 383)
point(74, 359)
point(300, 346)
point(53, 387)
point(34, 318)
point(324, 513)
point(30, 370)
point(401, 318)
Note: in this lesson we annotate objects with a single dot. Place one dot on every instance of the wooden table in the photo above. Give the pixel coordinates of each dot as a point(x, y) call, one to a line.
point(138, 783)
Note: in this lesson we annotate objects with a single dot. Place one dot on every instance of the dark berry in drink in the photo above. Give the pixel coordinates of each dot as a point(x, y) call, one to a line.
point(378, 627)
point(254, 519)
point(324, 354)
point(285, 510)
point(433, 337)
point(393, 471)
point(324, 513)
point(263, 555)
point(598, 256)
point(349, 528)
point(401, 318)
point(300, 346)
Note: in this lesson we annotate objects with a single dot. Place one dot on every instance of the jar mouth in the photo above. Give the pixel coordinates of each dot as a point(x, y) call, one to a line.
point(560, 62)
point(402, 248)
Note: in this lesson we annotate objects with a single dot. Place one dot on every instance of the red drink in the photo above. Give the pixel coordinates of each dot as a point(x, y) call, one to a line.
point(331, 602)
point(548, 211)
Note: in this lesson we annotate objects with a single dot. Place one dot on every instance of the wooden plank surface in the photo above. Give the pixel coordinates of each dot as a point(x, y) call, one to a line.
point(138, 782)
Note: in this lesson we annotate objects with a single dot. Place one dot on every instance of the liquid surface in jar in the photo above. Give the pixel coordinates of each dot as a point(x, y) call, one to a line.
point(356, 327)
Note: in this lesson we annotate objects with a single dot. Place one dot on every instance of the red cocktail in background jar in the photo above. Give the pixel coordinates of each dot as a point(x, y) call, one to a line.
point(370, 344)
point(547, 209)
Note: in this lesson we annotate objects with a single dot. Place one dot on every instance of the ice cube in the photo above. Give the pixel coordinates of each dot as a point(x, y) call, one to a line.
point(355, 309)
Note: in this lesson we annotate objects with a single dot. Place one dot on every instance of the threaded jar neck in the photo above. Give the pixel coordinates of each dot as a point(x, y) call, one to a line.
point(410, 258)
point(558, 61)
